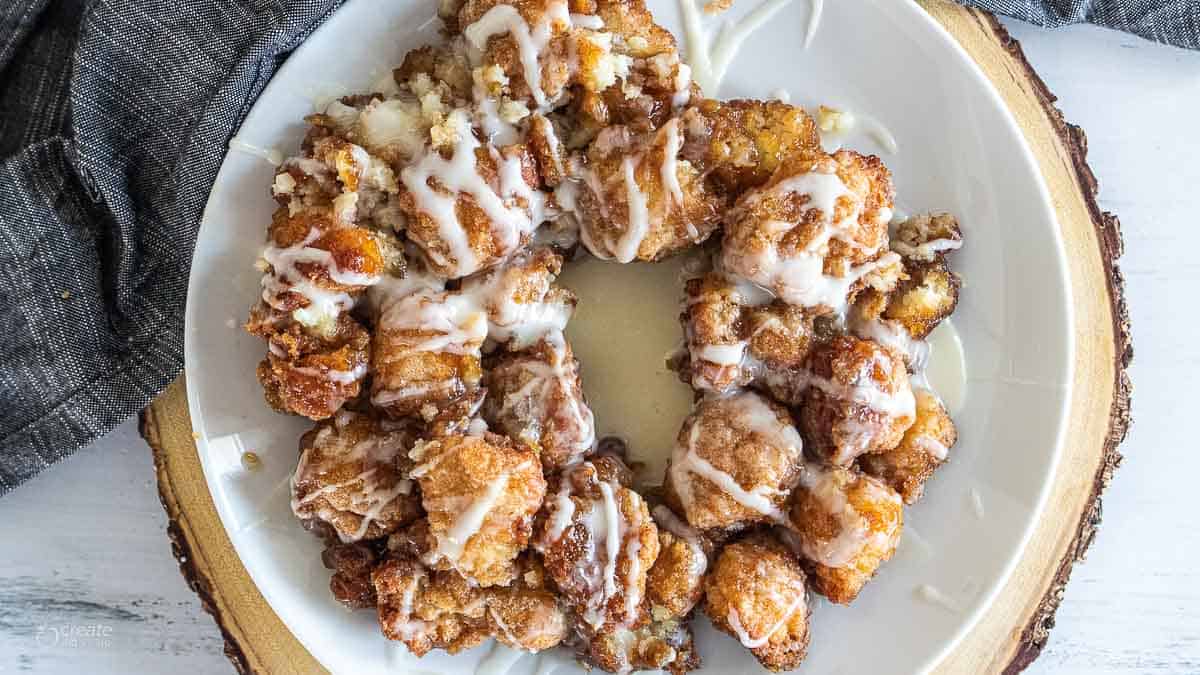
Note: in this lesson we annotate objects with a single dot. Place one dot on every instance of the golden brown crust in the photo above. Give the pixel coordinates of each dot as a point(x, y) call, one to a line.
point(847, 524)
point(353, 475)
point(743, 142)
point(757, 593)
point(858, 400)
point(923, 449)
point(480, 495)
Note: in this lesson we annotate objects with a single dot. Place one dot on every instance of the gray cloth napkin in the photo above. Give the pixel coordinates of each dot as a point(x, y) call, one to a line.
point(114, 117)
point(1174, 22)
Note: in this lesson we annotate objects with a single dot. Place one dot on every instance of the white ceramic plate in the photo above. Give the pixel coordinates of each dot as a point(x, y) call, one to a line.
point(959, 150)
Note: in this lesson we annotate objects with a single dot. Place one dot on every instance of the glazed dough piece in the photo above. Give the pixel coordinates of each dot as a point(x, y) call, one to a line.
point(315, 270)
point(305, 374)
point(528, 41)
point(676, 581)
point(737, 334)
point(659, 645)
point(535, 396)
point(427, 345)
point(743, 142)
point(636, 199)
point(522, 303)
point(427, 609)
point(847, 524)
point(352, 565)
point(854, 398)
point(925, 296)
point(757, 593)
point(734, 463)
point(469, 204)
point(816, 233)
point(598, 542)
point(924, 448)
point(353, 475)
point(526, 615)
point(480, 494)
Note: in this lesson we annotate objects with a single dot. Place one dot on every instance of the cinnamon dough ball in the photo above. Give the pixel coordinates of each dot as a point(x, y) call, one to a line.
point(598, 542)
point(636, 199)
point(428, 609)
point(480, 494)
point(735, 461)
point(757, 593)
point(847, 524)
point(923, 449)
point(353, 475)
point(816, 233)
point(858, 400)
point(536, 396)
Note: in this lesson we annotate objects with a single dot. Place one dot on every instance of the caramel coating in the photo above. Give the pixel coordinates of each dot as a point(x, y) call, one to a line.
point(526, 614)
point(847, 524)
point(489, 241)
point(757, 593)
point(676, 581)
point(353, 474)
point(536, 396)
point(598, 542)
point(427, 609)
point(352, 565)
point(743, 142)
point(480, 494)
point(858, 400)
point(736, 335)
point(924, 448)
point(735, 460)
point(922, 301)
point(628, 205)
point(659, 645)
point(305, 374)
point(817, 232)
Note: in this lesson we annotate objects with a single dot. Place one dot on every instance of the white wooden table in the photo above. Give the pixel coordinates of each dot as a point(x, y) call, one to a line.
point(88, 584)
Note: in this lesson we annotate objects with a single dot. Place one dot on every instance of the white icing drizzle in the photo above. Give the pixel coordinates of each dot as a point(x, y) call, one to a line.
point(932, 595)
point(800, 279)
point(815, 9)
point(670, 177)
point(710, 59)
point(933, 446)
point(734, 621)
point(588, 21)
point(854, 531)
point(977, 503)
point(639, 215)
point(460, 174)
point(531, 41)
point(925, 250)
point(271, 155)
point(782, 95)
point(755, 416)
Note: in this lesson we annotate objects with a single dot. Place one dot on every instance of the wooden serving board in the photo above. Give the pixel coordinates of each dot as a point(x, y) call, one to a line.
point(1015, 628)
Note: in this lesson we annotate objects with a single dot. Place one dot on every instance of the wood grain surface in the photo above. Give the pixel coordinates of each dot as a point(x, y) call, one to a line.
point(1014, 630)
